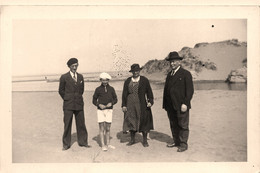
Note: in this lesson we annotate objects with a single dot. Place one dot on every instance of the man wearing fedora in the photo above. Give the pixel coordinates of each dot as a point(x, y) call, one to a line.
point(71, 89)
point(137, 99)
point(178, 92)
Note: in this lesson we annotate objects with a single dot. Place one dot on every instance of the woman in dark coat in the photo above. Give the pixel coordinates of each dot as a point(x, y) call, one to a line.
point(137, 99)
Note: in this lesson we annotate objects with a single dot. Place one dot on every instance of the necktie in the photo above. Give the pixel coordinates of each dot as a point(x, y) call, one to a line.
point(74, 78)
point(173, 72)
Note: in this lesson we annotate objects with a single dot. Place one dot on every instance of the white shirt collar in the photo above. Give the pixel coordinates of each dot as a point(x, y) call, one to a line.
point(136, 80)
point(72, 74)
point(174, 71)
point(177, 69)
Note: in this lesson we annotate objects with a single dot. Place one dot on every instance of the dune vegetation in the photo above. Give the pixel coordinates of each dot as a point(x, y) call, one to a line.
point(206, 61)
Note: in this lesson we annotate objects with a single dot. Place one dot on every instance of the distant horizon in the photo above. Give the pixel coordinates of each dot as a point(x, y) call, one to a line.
point(52, 74)
point(90, 72)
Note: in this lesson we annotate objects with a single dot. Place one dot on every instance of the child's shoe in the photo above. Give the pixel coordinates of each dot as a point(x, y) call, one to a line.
point(104, 148)
point(111, 146)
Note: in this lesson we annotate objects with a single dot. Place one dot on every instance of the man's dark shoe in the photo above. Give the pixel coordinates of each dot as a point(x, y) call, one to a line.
point(181, 149)
point(170, 145)
point(87, 146)
point(65, 148)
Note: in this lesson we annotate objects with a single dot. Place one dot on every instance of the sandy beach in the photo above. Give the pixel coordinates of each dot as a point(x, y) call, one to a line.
point(218, 131)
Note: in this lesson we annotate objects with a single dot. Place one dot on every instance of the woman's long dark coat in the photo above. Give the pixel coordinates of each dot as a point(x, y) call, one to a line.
point(145, 95)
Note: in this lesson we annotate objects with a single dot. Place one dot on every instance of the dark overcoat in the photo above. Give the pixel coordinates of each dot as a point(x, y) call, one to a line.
point(145, 95)
point(71, 91)
point(178, 90)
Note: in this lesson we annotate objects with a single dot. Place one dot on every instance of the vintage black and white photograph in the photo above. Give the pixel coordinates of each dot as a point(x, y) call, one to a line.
point(129, 89)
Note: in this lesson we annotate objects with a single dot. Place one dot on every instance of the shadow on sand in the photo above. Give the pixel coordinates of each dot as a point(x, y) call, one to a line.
point(154, 135)
point(97, 139)
point(74, 138)
point(126, 137)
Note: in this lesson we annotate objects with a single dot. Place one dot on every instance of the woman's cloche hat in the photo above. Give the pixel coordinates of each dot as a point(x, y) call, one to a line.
point(135, 67)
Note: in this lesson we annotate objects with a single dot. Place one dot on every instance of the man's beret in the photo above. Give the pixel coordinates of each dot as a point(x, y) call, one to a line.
point(72, 61)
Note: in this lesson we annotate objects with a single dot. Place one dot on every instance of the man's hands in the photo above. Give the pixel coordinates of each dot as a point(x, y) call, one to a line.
point(183, 108)
point(149, 105)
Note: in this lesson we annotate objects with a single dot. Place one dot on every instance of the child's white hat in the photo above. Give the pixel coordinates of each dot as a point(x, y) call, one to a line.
point(104, 76)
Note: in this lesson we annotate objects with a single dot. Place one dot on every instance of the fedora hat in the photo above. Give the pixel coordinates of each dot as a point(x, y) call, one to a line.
point(135, 67)
point(173, 56)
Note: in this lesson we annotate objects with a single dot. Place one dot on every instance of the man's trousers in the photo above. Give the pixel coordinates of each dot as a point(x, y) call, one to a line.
point(179, 123)
point(82, 133)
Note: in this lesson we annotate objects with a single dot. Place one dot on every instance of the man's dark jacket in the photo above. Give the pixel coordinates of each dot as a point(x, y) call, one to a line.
point(71, 92)
point(178, 90)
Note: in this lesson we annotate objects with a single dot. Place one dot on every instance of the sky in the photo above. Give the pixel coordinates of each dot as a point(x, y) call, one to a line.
point(44, 46)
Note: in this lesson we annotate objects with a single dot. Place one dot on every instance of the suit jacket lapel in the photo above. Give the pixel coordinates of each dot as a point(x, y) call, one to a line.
point(72, 80)
point(76, 85)
point(77, 78)
point(176, 75)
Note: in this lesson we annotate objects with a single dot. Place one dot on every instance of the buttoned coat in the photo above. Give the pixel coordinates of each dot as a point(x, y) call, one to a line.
point(145, 95)
point(178, 90)
point(71, 91)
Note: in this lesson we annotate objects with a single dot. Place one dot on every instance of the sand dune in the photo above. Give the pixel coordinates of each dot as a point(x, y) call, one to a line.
point(206, 61)
point(226, 56)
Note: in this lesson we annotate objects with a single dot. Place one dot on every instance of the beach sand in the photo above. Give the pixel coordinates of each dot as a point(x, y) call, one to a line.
point(218, 131)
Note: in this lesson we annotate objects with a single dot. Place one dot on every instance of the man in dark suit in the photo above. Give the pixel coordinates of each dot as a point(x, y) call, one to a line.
point(71, 89)
point(178, 91)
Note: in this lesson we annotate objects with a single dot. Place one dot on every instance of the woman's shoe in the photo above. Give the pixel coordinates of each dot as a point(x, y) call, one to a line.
point(130, 143)
point(145, 144)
